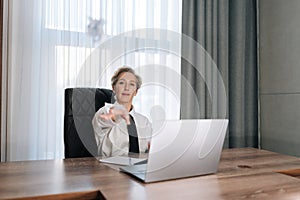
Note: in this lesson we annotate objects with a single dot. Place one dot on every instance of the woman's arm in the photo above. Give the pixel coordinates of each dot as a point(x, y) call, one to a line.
point(115, 113)
point(105, 119)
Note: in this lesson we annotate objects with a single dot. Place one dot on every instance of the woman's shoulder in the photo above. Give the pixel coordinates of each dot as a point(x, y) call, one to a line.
point(140, 117)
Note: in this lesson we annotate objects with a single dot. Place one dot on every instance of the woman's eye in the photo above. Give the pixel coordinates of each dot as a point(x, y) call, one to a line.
point(121, 82)
point(132, 84)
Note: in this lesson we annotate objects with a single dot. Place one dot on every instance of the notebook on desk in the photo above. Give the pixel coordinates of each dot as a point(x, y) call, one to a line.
point(182, 148)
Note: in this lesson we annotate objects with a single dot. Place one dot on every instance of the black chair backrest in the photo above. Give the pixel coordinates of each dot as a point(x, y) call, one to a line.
point(81, 105)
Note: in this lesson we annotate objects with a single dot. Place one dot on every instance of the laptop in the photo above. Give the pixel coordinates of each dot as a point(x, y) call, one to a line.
point(182, 148)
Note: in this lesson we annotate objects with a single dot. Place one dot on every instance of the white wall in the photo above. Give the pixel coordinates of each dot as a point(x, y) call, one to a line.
point(280, 75)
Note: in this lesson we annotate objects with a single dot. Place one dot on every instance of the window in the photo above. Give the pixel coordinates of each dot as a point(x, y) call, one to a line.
point(54, 51)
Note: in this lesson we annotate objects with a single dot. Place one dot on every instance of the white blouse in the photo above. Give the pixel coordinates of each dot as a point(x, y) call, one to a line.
point(112, 136)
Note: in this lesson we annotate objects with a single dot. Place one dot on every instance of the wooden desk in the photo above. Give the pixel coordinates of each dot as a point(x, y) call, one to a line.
point(243, 174)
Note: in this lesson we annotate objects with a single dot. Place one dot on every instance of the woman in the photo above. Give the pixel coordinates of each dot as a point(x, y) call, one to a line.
point(112, 122)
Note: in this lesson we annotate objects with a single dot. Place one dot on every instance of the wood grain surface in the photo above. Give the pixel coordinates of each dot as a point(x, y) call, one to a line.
point(245, 173)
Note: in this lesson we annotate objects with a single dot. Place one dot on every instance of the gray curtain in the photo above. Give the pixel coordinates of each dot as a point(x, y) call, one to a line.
point(226, 29)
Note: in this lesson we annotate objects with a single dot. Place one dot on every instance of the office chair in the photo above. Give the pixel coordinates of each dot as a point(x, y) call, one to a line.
point(80, 106)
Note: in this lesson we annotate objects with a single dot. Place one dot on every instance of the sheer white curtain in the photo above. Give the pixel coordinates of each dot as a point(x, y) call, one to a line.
point(49, 50)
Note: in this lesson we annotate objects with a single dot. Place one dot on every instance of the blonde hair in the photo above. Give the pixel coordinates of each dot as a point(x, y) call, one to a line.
point(115, 77)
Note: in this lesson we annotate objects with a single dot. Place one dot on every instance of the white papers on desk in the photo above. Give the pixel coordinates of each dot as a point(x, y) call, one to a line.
point(122, 160)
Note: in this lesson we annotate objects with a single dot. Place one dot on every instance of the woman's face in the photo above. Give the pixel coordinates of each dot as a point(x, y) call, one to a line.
point(125, 88)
